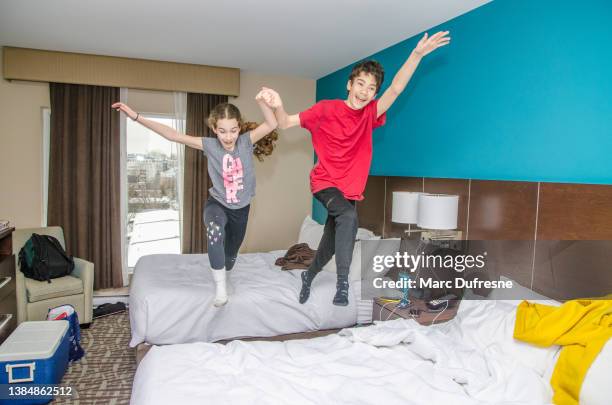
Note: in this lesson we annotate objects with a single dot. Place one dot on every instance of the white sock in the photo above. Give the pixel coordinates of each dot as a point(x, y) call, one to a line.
point(221, 295)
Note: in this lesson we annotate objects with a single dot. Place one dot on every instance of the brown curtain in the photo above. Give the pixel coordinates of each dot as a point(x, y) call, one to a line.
point(84, 177)
point(196, 177)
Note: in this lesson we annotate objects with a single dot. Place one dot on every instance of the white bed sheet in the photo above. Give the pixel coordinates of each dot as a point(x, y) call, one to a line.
point(463, 361)
point(171, 300)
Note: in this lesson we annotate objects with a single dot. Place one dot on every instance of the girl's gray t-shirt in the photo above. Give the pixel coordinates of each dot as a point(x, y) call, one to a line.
point(232, 173)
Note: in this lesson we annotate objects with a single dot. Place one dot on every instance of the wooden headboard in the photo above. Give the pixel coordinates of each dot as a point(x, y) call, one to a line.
point(557, 237)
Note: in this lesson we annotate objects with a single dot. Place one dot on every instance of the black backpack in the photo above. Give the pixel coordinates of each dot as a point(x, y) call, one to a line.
point(43, 258)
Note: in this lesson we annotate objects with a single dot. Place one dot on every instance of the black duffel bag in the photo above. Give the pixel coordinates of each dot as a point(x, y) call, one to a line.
point(43, 258)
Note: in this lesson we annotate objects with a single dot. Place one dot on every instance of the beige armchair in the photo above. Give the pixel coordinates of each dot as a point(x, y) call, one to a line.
point(34, 298)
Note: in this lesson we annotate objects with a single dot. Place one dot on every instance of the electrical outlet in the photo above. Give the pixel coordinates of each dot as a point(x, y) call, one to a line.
point(441, 235)
point(446, 239)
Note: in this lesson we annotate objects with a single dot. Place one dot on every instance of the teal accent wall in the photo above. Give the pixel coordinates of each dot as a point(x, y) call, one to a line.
point(319, 213)
point(523, 92)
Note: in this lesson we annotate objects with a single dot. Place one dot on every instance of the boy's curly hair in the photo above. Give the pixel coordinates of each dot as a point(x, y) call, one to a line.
point(263, 147)
point(371, 67)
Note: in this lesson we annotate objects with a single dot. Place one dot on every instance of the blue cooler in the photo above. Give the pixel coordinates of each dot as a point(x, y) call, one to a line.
point(35, 353)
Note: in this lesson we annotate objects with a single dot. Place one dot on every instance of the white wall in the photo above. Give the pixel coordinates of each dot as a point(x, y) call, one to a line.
point(283, 196)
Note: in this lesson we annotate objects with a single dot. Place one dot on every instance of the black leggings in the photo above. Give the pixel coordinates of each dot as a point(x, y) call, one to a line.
point(339, 231)
point(225, 229)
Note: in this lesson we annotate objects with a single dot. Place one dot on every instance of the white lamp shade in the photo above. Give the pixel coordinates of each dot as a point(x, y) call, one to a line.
point(438, 211)
point(405, 207)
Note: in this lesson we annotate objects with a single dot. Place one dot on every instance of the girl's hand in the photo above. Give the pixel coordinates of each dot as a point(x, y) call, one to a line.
point(271, 98)
point(125, 109)
point(429, 44)
point(264, 97)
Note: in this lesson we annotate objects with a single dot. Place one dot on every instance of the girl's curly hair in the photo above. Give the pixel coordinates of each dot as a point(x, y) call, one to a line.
point(224, 111)
point(263, 147)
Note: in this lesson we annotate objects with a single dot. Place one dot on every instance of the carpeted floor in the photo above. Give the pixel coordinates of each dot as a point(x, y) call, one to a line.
point(104, 375)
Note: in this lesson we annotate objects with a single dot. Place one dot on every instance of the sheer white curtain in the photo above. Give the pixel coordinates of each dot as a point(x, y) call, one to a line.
point(179, 123)
point(123, 97)
point(179, 116)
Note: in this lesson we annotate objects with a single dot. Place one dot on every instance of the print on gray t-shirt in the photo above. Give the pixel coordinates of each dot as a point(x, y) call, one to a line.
point(232, 173)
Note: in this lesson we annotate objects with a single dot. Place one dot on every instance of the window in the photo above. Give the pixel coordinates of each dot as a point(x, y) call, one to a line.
point(153, 208)
point(151, 185)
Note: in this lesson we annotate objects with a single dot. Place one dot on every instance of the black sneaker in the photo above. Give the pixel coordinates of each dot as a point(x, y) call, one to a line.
point(341, 297)
point(305, 291)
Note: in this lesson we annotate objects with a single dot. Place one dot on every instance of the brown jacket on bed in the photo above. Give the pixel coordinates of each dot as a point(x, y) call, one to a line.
point(297, 257)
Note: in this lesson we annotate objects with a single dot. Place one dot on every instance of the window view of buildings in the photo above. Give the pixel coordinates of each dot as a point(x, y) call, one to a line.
point(152, 192)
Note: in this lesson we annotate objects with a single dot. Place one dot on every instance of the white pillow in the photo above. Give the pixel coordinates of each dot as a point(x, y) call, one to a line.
point(489, 325)
point(385, 247)
point(310, 232)
point(596, 388)
point(375, 246)
point(518, 292)
point(495, 326)
point(355, 269)
point(365, 234)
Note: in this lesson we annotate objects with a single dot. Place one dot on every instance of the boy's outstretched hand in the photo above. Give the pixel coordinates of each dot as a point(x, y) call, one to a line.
point(429, 44)
point(126, 110)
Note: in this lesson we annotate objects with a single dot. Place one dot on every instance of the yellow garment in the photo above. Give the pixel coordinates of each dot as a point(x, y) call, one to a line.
point(582, 327)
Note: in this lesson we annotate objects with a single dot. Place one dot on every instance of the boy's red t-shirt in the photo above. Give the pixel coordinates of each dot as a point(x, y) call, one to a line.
point(342, 139)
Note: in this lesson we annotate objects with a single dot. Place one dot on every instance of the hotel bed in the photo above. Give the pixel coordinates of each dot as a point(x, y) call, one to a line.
point(171, 297)
point(470, 359)
point(171, 301)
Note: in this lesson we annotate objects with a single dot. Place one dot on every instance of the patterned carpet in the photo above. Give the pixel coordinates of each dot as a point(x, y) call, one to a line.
point(105, 374)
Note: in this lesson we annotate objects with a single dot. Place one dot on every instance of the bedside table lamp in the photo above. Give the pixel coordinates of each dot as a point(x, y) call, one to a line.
point(405, 210)
point(438, 213)
point(405, 207)
point(433, 213)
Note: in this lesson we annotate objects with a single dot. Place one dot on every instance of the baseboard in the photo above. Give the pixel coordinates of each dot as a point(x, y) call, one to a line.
point(109, 299)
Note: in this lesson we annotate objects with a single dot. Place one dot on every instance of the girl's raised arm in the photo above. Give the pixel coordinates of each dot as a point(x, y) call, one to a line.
point(269, 124)
point(169, 133)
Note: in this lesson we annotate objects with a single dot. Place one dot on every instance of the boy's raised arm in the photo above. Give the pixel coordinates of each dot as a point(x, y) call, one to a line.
point(402, 77)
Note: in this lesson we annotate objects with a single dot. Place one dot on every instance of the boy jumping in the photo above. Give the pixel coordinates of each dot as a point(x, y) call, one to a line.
point(342, 139)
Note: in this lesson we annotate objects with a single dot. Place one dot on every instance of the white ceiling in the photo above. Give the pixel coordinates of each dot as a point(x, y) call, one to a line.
point(307, 38)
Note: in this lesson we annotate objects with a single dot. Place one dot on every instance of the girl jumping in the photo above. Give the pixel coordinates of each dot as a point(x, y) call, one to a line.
point(230, 166)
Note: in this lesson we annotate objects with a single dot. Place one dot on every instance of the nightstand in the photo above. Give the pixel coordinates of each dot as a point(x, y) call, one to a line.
point(383, 310)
